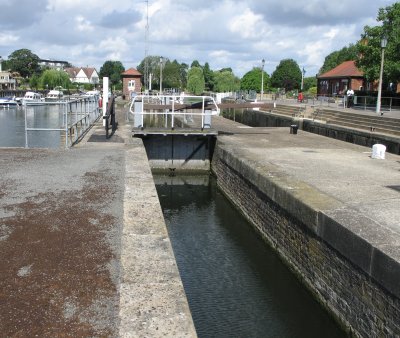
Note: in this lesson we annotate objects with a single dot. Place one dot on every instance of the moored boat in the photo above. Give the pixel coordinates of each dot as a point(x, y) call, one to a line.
point(8, 102)
point(32, 98)
point(55, 95)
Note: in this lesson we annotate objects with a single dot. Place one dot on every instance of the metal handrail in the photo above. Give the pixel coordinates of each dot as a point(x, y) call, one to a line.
point(88, 113)
point(110, 115)
point(170, 101)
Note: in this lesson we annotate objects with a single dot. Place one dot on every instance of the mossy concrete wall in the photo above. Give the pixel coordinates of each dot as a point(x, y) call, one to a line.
point(356, 282)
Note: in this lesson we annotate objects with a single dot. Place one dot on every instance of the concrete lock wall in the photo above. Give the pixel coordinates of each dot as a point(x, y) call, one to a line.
point(316, 248)
point(360, 137)
point(179, 152)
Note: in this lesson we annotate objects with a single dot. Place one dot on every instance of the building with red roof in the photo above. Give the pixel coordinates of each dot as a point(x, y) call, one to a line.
point(131, 82)
point(337, 80)
point(83, 75)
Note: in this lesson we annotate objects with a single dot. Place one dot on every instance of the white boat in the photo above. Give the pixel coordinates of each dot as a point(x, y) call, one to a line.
point(32, 98)
point(92, 93)
point(55, 95)
point(8, 102)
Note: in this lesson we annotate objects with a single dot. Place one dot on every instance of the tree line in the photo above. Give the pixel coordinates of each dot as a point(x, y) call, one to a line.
point(197, 78)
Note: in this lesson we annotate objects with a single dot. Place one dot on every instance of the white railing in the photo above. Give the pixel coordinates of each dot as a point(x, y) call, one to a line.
point(171, 106)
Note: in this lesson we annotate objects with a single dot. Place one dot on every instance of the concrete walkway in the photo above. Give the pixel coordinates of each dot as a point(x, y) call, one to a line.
point(83, 244)
point(340, 179)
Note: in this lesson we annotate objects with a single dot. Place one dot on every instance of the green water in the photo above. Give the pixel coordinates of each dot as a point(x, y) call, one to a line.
point(235, 284)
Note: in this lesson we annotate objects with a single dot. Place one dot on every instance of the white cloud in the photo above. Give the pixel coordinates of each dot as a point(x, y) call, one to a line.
point(7, 39)
point(247, 25)
point(82, 24)
point(227, 33)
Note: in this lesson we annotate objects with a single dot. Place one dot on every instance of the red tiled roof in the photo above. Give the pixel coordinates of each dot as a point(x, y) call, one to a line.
point(88, 71)
point(345, 69)
point(132, 71)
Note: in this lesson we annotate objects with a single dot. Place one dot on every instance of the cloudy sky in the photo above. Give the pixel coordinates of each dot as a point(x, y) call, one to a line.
point(224, 33)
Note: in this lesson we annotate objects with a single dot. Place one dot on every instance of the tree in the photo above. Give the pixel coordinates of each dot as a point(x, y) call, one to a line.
point(172, 75)
point(196, 63)
point(336, 58)
point(24, 62)
point(226, 81)
point(34, 81)
point(183, 72)
point(369, 47)
point(287, 75)
point(195, 82)
point(112, 70)
point(52, 78)
point(208, 77)
point(309, 82)
point(252, 80)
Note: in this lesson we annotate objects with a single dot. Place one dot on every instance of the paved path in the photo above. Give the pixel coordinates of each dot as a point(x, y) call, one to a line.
point(83, 244)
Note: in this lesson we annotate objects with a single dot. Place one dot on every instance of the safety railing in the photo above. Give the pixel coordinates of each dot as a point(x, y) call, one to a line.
point(78, 116)
point(162, 110)
point(110, 119)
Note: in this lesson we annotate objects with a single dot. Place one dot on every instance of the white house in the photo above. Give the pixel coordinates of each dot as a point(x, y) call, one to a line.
point(6, 81)
point(83, 75)
point(53, 64)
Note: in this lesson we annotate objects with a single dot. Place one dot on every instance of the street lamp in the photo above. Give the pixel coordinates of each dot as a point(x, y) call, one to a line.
point(161, 63)
point(378, 102)
point(262, 78)
point(303, 73)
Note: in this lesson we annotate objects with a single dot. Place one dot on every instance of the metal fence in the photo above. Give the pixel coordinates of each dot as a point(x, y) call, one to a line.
point(358, 102)
point(78, 115)
point(161, 111)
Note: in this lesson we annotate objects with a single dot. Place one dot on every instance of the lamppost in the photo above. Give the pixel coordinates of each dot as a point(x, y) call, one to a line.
point(262, 78)
point(161, 64)
point(378, 102)
point(302, 78)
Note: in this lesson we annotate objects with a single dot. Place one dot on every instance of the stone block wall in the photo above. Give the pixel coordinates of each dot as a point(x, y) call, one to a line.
point(361, 304)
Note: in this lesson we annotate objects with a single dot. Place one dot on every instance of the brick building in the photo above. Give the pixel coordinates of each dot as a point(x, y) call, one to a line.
point(131, 82)
point(337, 80)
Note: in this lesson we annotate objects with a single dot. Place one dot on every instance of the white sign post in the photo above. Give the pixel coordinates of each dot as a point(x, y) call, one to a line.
point(105, 98)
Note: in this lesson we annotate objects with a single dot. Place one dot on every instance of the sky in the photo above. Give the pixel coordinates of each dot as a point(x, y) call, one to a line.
point(225, 33)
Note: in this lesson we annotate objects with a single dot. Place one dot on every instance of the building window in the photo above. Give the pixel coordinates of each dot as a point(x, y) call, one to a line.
point(131, 85)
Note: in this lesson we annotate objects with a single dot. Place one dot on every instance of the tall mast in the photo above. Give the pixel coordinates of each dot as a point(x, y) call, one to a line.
point(146, 49)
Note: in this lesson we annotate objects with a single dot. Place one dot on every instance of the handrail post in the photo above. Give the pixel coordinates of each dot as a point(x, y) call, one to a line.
point(173, 108)
point(202, 115)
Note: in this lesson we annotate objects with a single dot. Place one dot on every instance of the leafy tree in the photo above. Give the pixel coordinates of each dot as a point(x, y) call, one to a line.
point(369, 47)
point(5, 65)
point(286, 75)
point(208, 77)
point(226, 81)
point(252, 80)
point(24, 62)
point(112, 70)
point(309, 82)
point(153, 66)
point(171, 75)
point(196, 63)
point(336, 58)
point(183, 72)
point(52, 78)
point(195, 82)
point(34, 81)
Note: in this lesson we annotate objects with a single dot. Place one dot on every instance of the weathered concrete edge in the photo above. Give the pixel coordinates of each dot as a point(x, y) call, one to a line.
point(325, 216)
point(369, 138)
point(152, 299)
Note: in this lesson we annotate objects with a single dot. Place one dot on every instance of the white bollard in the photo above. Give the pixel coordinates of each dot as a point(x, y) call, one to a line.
point(378, 151)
